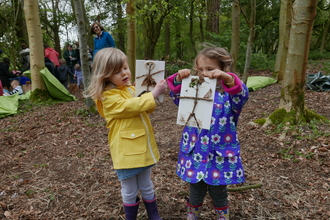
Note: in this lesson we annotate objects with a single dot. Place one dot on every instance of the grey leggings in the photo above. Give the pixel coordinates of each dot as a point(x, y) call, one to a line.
point(218, 194)
point(131, 186)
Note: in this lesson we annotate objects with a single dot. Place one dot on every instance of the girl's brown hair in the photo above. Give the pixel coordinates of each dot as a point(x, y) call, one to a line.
point(219, 54)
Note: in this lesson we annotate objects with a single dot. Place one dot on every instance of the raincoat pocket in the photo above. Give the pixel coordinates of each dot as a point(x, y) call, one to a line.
point(133, 141)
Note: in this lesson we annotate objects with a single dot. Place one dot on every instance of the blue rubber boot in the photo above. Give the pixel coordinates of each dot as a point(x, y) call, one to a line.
point(131, 210)
point(152, 210)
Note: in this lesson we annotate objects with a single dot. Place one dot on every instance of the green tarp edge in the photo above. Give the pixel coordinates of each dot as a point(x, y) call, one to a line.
point(257, 82)
point(9, 104)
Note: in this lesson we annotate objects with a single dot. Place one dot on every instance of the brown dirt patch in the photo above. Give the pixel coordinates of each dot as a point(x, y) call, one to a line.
point(55, 164)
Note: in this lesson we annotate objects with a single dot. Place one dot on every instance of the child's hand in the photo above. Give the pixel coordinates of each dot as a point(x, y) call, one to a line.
point(182, 74)
point(221, 75)
point(214, 74)
point(160, 88)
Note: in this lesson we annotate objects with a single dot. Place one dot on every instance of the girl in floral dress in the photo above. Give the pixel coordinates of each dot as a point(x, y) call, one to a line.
point(210, 159)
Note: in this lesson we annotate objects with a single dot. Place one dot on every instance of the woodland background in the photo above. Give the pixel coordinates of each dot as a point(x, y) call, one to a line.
point(166, 29)
point(54, 157)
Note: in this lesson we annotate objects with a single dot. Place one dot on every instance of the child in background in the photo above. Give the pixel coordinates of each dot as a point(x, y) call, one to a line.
point(63, 73)
point(131, 139)
point(78, 74)
point(16, 88)
point(210, 159)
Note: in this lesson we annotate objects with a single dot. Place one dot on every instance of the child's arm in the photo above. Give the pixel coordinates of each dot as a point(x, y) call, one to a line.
point(230, 82)
point(174, 81)
point(69, 71)
point(174, 84)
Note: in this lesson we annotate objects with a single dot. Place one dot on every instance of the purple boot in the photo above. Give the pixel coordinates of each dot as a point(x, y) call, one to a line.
point(131, 210)
point(152, 210)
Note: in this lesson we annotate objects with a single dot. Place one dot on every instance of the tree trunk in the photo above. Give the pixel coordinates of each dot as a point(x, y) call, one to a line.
point(235, 35)
point(191, 26)
point(292, 94)
point(131, 37)
point(37, 62)
point(121, 27)
point(153, 19)
point(167, 39)
point(78, 5)
point(56, 27)
point(213, 14)
point(284, 36)
point(252, 26)
point(178, 40)
point(324, 34)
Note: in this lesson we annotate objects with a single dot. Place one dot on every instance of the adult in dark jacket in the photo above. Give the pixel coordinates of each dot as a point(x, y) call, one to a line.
point(70, 57)
point(5, 74)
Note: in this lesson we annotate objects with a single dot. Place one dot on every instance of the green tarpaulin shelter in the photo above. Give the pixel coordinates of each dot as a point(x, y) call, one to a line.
point(9, 104)
point(258, 82)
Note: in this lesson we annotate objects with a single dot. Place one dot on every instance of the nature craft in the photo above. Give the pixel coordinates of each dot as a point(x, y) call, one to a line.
point(196, 102)
point(148, 73)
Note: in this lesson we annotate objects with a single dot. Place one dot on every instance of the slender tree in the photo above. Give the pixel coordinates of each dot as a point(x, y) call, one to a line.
point(131, 36)
point(83, 38)
point(284, 34)
point(292, 107)
point(191, 25)
point(235, 35)
point(213, 16)
point(37, 62)
point(152, 14)
point(252, 26)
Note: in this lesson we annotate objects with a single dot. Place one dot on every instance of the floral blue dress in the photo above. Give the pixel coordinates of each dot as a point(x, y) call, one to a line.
point(214, 155)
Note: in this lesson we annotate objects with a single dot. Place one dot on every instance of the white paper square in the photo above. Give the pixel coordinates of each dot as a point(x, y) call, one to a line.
point(157, 72)
point(203, 109)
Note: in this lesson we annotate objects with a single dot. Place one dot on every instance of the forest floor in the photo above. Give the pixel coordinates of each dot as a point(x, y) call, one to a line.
point(55, 164)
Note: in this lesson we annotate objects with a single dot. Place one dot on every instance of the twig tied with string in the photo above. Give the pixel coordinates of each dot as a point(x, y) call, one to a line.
point(195, 83)
point(149, 81)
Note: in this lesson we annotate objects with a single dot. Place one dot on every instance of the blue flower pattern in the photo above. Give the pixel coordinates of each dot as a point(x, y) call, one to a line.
point(214, 155)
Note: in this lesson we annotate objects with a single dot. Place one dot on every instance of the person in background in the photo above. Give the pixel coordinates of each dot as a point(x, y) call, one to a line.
point(78, 75)
point(63, 73)
point(52, 54)
point(102, 38)
point(5, 75)
point(209, 160)
point(24, 57)
point(50, 66)
point(16, 88)
point(78, 52)
point(70, 57)
point(131, 139)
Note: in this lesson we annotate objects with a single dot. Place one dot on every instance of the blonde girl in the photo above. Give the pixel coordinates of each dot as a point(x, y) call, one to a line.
point(132, 143)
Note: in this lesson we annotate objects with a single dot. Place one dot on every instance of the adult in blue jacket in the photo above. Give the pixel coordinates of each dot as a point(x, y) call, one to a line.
point(102, 39)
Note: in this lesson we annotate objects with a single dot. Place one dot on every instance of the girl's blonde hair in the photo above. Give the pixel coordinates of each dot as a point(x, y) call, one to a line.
point(77, 66)
point(106, 62)
point(219, 54)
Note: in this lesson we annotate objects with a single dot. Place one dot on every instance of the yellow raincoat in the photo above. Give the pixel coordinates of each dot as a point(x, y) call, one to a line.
point(131, 136)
